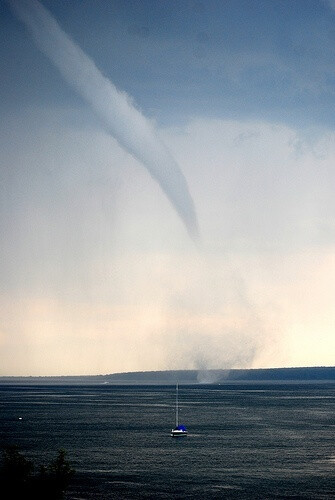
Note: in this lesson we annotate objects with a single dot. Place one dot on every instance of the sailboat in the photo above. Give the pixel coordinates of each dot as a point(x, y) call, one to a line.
point(179, 430)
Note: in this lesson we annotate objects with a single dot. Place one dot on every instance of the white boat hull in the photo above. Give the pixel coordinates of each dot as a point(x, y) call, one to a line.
point(178, 433)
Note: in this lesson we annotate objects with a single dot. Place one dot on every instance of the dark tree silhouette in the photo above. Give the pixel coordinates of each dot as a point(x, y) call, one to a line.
point(18, 481)
point(58, 474)
point(16, 472)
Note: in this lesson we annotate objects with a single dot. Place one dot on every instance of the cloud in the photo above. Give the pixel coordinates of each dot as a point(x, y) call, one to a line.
point(272, 188)
point(79, 278)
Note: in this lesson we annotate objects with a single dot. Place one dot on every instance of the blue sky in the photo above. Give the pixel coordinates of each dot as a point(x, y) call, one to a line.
point(98, 272)
point(232, 59)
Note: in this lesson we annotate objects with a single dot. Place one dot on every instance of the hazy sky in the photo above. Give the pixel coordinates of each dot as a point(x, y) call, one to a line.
point(167, 183)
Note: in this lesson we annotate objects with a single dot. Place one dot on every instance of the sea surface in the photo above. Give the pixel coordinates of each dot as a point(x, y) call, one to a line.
point(245, 441)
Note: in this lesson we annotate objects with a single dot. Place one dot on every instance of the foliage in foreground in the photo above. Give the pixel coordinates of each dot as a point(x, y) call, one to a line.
point(19, 480)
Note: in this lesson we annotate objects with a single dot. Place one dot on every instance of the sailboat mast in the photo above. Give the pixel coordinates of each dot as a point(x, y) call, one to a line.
point(177, 409)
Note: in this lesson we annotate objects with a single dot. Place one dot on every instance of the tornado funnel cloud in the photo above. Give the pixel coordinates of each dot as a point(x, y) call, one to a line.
point(122, 120)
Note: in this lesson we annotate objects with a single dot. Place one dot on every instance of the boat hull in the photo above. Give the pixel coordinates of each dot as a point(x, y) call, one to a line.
point(178, 433)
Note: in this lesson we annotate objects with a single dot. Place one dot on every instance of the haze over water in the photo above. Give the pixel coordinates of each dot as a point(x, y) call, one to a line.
point(245, 441)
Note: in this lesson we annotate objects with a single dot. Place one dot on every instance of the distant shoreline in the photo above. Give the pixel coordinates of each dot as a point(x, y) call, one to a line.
point(170, 377)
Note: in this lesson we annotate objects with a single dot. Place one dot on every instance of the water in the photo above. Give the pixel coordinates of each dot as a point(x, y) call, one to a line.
point(245, 441)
